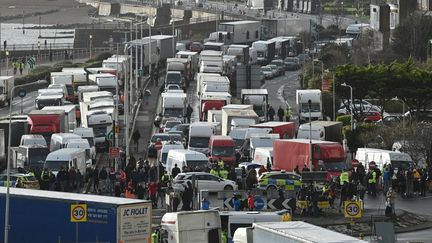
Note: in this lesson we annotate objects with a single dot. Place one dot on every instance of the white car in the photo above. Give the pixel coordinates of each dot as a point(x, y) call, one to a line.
point(205, 181)
point(170, 124)
point(267, 71)
point(275, 69)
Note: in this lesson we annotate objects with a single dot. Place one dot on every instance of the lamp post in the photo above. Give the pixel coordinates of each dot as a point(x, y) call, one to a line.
point(403, 119)
point(8, 181)
point(90, 46)
point(7, 62)
point(39, 51)
point(310, 135)
point(334, 97)
point(351, 103)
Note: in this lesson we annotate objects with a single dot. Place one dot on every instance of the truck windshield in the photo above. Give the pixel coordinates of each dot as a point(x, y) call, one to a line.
point(56, 165)
point(315, 107)
point(223, 151)
point(173, 78)
point(37, 156)
point(100, 130)
point(259, 110)
point(173, 112)
point(199, 142)
point(335, 166)
point(48, 102)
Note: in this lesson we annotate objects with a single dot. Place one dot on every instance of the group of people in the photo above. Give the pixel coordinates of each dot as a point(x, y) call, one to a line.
point(281, 113)
point(66, 180)
point(18, 64)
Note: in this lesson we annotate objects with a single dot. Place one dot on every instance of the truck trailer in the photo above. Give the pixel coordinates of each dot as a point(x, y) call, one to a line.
point(6, 85)
point(326, 156)
point(321, 130)
point(242, 32)
point(284, 129)
point(73, 217)
point(47, 122)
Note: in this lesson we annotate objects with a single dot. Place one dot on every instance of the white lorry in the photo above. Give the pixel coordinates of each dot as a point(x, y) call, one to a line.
point(144, 46)
point(321, 130)
point(79, 75)
point(66, 79)
point(60, 140)
point(215, 83)
point(303, 97)
point(43, 100)
point(174, 104)
point(199, 136)
point(259, 99)
point(86, 89)
point(265, 51)
point(235, 116)
point(165, 45)
point(185, 157)
point(6, 85)
point(211, 62)
point(398, 160)
point(70, 113)
point(99, 120)
point(83, 144)
point(202, 226)
point(241, 52)
point(105, 81)
point(242, 32)
point(292, 231)
point(88, 134)
point(66, 158)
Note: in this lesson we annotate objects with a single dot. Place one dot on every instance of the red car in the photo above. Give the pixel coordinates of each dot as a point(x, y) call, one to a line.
point(372, 116)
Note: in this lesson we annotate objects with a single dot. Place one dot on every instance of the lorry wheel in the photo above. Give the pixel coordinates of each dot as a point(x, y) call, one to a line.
point(228, 188)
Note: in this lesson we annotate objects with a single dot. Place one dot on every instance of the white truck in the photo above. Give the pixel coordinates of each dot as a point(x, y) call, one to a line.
point(259, 99)
point(242, 32)
point(105, 81)
point(79, 75)
point(265, 51)
point(66, 79)
point(6, 85)
point(185, 157)
point(214, 82)
point(83, 144)
point(99, 120)
point(70, 113)
point(235, 118)
point(199, 136)
point(321, 130)
point(192, 56)
point(90, 96)
point(60, 140)
point(241, 52)
point(165, 46)
point(144, 46)
point(174, 104)
point(43, 100)
point(212, 101)
point(86, 89)
point(202, 226)
point(398, 160)
point(211, 62)
point(292, 231)
point(303, 97)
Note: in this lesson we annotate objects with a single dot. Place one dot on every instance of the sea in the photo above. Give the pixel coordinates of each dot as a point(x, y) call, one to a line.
point(16, 39)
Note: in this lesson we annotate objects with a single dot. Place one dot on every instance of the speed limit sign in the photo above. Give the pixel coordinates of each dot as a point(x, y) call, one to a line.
point(78, 213)
point(352, 209)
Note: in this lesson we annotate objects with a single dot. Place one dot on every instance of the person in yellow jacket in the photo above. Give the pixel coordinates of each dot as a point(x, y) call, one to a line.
point(224, 173)
point(224, 236)
point(288, 114)
point(221, 163)
point(344, 177)
point(372, 182)
point(416, 182)
point(155, 236)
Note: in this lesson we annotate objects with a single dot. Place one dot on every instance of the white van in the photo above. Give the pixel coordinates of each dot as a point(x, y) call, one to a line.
point(87, 133)
point(381, 157)
point(199, 136)
point(261, 140)
point(33, 139)
point(262, 155)
point(60, 140)
point(66, 158)
point(184, 157)
point(166, 147)
point(84, 144)
point(202, 226)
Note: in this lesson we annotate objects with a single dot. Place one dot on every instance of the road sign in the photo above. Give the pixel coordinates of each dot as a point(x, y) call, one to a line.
point(259, 203)
point(352, 209)
point(78, 213)
point(31, 61)
point(22, 93)
point(114, 152)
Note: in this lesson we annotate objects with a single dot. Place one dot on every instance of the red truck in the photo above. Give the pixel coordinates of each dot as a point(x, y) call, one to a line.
point(222, 147)
point(46, 122)
point(327, 156)
point(212, 101)
point(284, 129)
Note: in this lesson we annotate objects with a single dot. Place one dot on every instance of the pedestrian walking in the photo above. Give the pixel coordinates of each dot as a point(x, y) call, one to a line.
point(175, 171)
point(15, 66)
point(21, 66)
point(189, 112)
point(78, 181)
point(136, 137)
point(152, 190)
point(103, 176)
point(96, 179)
point(288, 114)
point(391, 200)
point(280, 113)
point(271, 113)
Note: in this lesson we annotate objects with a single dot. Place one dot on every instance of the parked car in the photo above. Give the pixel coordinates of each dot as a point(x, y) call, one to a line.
point(205, 181)
point(280, 64)
point(303, 58)
point(275, 70)
point(292, 63)
point(274, 179)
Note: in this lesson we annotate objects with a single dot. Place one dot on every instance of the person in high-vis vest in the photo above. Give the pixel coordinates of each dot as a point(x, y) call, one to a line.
point(372, 182)
point(155, 236)
point(223, 173)
point(221, 163)
point(344, 177)
point(224, 236)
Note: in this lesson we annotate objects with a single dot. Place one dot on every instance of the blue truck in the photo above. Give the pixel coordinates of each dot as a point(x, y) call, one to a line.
point(47, 216)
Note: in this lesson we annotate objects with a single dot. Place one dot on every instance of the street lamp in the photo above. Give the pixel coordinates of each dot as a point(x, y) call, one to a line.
point(91, 38)
point(351, 103)
point(403, 119)
point(310, 135)
point(7, 63)
point(8, 181)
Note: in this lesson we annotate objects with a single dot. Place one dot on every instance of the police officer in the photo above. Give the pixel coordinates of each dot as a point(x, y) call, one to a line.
point(155, 236)
point(223, 173)
point(372, 183)
point(344, 177)
point(45, 179)
point(221, 163)
point(214, 172)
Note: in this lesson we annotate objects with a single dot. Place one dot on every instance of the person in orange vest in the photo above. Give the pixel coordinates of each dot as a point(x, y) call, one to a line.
point(122, 178)
point(129, 191)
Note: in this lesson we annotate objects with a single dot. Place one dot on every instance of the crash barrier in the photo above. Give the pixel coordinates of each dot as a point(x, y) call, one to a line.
point(269, 200)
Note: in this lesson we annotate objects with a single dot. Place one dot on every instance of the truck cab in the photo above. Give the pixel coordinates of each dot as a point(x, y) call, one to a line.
point(306, 110)
point(259, 99)
point(49, 100)
point(199, 136)
point(222, 147)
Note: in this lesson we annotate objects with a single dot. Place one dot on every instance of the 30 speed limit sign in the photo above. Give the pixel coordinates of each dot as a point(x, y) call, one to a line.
point(352, 209)
point(78, 213)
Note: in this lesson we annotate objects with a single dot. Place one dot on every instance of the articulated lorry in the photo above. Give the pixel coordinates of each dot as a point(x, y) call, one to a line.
point(47, 122)
point(212, 101)
point(265, 51)
point(66, 79)
point(236, 118)
point(242, 32)
point(326, 156)
point(65, 216)
point(99, 120)
point(303, 97)
point(211, 62)
point(284, 129)
point(105, 81)
point(258, 98)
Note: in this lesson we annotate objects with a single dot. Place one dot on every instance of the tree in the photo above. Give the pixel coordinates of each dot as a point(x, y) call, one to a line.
point(410, 37)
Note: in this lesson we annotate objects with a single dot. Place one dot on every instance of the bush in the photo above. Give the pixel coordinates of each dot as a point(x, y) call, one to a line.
point(345, 119)
point(356, 138)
